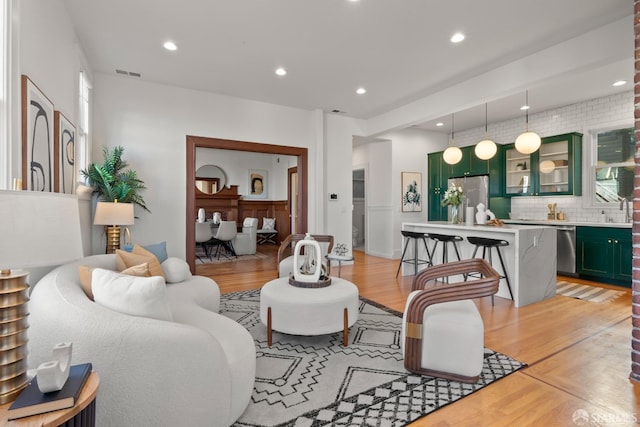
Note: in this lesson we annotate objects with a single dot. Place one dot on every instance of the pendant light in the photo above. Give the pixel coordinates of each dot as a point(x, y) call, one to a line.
point(486, 148)
point(528, 142)
point(453, 154)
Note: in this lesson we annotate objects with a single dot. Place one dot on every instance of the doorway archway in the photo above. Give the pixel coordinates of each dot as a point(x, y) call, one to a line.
point(194, 142)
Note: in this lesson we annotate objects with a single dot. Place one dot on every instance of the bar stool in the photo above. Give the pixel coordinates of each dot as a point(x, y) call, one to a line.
point(489, 244)
point(408, 235)
point(445, 239)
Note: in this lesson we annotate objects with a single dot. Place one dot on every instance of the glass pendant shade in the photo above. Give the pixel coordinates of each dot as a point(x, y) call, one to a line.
point(547, 166)
point(486, 149)
point(528, 142)
point(452, 155)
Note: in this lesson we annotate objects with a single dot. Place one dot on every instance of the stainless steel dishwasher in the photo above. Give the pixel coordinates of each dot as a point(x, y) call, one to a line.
point(566, 250)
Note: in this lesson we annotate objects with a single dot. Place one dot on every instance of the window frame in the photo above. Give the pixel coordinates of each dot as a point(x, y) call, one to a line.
point(590, 165)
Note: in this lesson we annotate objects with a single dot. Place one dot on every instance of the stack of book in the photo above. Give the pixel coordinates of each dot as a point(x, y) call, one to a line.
point(31, 401)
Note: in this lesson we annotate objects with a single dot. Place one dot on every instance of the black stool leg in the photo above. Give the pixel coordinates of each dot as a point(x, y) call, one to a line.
point(455, 246)
point(415, 257)
point(504, 270)
point(404, 251)
point(426, 248)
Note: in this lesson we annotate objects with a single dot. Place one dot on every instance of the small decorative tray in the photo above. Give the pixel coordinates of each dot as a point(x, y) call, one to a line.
point(322, 283)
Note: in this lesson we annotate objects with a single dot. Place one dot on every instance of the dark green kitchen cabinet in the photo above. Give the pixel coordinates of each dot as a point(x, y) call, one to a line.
point(438, 173)
point(469, 165)
point(604, 253)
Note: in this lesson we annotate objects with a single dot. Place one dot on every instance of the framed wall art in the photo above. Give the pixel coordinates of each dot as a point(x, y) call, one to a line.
point(411, 192)
point(37, 139)
point(257, 184)
point(64, 154)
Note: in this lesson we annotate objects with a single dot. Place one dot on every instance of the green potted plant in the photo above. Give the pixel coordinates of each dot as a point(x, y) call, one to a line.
point(113, 180)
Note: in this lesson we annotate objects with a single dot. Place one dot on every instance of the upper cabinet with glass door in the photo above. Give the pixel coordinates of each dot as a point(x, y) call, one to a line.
point(518, 179)
point(555, 169)
point(559, 165)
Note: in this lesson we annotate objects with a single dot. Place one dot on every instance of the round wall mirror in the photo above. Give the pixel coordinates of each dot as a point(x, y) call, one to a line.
point(210, 179)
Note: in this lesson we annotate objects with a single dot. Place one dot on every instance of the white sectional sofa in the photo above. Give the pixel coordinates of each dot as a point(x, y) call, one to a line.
point(196, 370)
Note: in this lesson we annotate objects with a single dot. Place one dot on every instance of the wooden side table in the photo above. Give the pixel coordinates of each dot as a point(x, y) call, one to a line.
point(83, 414)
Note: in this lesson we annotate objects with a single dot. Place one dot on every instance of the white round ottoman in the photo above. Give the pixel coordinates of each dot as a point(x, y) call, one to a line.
point(309, 311)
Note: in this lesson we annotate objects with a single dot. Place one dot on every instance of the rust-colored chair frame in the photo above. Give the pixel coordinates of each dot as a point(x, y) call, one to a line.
point(289, 244)
point(434, 292)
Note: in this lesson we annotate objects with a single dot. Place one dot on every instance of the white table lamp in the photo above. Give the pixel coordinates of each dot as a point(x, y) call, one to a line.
point(113, 215)
point(38, 229)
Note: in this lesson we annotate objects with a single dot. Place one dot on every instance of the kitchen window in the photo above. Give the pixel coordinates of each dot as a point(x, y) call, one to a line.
point(614, 165)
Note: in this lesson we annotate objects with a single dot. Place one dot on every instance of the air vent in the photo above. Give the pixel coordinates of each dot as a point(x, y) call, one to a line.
point(128, 73)
point(336, 111)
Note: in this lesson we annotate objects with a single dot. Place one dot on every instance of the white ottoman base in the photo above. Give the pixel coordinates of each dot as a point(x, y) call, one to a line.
point(309, 311)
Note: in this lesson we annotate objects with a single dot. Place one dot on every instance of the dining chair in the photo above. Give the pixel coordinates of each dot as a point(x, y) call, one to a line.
point(204, 238)
point(223, 239)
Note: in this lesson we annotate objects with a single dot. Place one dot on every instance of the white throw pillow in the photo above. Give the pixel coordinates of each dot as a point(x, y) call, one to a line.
point(137, 296)
point(176, 270)
point(268, 223)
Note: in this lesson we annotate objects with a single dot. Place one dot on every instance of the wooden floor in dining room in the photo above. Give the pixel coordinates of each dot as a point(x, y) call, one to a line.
point(578, 352)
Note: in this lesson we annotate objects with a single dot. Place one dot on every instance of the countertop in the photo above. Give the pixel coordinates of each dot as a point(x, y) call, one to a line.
point(568, 223)
point(512, 228)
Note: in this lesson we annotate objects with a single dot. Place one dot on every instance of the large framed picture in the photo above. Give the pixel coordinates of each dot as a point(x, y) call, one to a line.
point(411, 192)
point(37, 139)
point(64, 154)
point(257, 184)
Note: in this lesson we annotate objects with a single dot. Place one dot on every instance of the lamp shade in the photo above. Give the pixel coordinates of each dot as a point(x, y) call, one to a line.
point(113, 213)
point(528, 142)
point(486, 149)
point(38, 229)
point(452, 155)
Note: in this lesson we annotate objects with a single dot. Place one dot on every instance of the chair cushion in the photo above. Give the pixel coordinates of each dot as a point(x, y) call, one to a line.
point(268, 223)
point(136, 296)
point(139, 255)
point(85, 273)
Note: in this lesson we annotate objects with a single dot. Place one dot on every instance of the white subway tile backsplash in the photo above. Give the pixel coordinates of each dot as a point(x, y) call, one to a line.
point(580, 117)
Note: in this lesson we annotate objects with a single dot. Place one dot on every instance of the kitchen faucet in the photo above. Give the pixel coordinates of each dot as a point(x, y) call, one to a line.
point(627, 216)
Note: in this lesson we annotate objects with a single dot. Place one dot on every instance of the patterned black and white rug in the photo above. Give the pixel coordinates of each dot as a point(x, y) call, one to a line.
point(315, 381)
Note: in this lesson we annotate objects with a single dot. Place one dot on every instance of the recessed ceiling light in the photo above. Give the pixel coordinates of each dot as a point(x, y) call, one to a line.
point(524, 107)
point(619, 83)
point(361, 91)
point(169, 45)
point(457, 38)
point(281, 71)
point(439, 124)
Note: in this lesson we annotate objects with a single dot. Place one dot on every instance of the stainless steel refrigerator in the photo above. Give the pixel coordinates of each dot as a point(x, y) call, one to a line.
point(475, 190)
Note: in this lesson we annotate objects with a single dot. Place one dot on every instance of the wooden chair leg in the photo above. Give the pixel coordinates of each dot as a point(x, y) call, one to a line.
point(345, 332)
point(269, 331)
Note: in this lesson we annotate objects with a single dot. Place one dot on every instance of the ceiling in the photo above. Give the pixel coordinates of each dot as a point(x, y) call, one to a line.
point(398, 50)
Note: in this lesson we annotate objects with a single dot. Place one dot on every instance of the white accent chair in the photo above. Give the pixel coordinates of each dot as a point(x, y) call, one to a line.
point(288, 245)
point(245, 242)
point(442, 331)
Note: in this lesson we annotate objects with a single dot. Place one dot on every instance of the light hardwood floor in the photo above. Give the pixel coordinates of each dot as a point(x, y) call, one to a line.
point(578, 352)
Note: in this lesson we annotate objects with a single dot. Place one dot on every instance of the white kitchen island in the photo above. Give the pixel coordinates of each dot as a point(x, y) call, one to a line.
point(530, 257)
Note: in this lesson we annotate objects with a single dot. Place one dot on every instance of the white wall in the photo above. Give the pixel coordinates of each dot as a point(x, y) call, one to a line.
point(151, 122)
point(48, 52)
point(338, 134)
point(385, 159)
